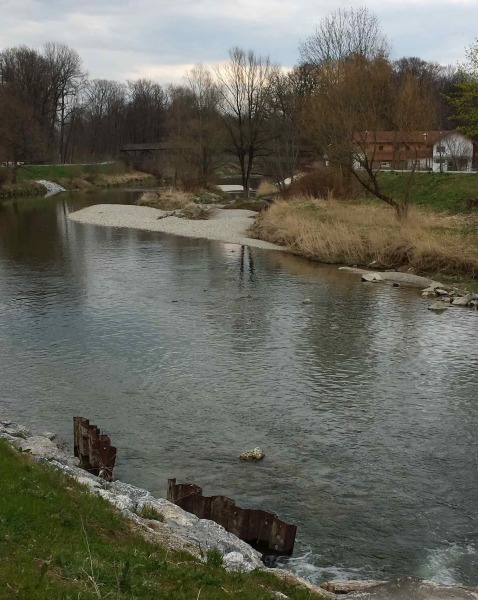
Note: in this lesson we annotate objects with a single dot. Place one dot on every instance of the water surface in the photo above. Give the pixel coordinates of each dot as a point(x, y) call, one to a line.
point(189, 352)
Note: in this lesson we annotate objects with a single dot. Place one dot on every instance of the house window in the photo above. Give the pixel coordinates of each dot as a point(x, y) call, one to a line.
point(385, 164)
point(441, 149)
point(380, 147)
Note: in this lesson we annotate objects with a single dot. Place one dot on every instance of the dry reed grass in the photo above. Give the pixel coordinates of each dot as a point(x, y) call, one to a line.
point(166, 199)
point(266, 188)
point(358, 234)
point(185, 203)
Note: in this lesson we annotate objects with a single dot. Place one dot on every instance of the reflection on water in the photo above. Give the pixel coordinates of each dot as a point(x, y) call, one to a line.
point(189, 352)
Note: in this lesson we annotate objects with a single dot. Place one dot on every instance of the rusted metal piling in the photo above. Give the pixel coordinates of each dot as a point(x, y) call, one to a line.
point(262, 530)
point(93, 448)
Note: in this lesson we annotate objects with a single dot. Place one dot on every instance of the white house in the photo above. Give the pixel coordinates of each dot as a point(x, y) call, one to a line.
point(452, 151)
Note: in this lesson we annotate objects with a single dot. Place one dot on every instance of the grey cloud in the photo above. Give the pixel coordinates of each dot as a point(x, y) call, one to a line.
point(120, 37)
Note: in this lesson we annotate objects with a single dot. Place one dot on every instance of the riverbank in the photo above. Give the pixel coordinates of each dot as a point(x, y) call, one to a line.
point(72, 177)
point(65, 531)
point(230, 226)
point(369, 235)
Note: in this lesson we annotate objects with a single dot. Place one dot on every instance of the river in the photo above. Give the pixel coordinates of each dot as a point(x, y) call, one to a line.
point(188, 352)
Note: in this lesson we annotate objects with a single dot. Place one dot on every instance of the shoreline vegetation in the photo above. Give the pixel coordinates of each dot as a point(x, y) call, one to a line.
point(367, 234)
point(71, 177)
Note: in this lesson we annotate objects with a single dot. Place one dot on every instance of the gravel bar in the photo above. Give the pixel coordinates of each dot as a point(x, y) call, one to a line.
point(228, 226)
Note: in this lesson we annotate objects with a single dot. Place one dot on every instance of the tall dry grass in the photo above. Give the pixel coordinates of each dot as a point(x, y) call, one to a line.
point(185, 204)
point(348, 233)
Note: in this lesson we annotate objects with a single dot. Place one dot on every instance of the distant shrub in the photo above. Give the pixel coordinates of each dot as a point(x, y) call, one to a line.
point(5, 176)
point(325, 182)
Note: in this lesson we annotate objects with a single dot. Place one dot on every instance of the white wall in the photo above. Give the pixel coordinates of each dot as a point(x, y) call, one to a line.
point(454, 147)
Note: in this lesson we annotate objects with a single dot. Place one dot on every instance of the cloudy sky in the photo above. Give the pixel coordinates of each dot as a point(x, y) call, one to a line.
point(163, 39)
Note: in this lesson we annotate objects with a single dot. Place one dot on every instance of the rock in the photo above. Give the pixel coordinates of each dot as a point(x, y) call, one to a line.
point(234, 561)
point(48, 435)
point(473, 303)
point(425, 294)
point(255, 454)
point(395, 284)
point(14, 430)
point(446, 299)
point(45, 449)
point(441, 292)
point(409, 588)
point(463, 300)
point(438, 306)
point(306, 301)
point(280, 595)
point(399, 277)
point(372, 277)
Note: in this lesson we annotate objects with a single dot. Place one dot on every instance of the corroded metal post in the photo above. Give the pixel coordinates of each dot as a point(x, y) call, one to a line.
point(93, 448)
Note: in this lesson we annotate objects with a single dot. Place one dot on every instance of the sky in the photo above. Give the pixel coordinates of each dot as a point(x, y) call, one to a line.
point(164, 39)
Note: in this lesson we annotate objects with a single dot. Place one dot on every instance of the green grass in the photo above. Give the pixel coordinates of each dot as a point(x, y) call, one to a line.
point(438, 191)
point(57, 541)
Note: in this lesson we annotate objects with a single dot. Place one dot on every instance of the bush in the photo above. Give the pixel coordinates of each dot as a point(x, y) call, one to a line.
point(5, 176)
point(325, 182)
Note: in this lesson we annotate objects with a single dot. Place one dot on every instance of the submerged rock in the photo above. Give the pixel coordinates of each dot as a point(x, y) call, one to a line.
point(306, 301)
point(255, 454)
point(464, 300)
point(438, 306)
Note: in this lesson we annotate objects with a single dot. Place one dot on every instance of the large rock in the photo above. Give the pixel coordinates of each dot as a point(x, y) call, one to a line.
point(464, 300)
point(399, 277)
point(414, 588)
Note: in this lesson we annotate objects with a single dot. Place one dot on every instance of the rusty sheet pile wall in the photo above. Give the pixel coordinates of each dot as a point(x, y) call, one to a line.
point(262, 530)
point(93, 448)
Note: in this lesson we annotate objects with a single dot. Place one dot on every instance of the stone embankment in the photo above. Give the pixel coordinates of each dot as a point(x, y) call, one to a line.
point(51, 187)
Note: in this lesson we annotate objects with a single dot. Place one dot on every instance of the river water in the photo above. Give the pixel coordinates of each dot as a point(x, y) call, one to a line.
point(189, 352)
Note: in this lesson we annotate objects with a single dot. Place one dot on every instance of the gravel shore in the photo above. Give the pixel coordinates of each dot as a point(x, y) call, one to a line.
point(228, 226)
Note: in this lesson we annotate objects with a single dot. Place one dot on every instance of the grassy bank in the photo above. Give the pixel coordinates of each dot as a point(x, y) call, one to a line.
point(352, 233)
point(439, 191)
point(60, 542)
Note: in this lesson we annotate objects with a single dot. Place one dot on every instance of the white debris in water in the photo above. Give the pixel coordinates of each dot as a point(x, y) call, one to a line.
point(52, 188)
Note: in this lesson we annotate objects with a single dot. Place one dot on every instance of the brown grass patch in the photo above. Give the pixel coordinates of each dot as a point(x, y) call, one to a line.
point(359, 234)
point(186, 204)
point(266, 188)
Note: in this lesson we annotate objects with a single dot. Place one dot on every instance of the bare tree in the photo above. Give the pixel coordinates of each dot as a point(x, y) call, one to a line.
point(342, 34)
point(67, 78)
point(146, 111)
point(20, 135)
point(205, 132)
point(104, 109)
point(245, 90)
point(286, 100)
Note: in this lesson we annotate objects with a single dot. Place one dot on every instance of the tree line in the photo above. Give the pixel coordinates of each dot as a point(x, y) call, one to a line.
point(248, 110)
